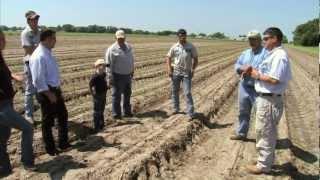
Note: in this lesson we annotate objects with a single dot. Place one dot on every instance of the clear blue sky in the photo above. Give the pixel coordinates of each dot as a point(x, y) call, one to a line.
point(232, 17)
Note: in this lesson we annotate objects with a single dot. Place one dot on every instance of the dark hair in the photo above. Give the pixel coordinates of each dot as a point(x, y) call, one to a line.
point(46, 34)
point(274, 31)
point(182, 31)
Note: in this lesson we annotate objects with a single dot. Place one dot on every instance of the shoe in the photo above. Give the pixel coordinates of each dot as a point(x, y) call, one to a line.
point(238, 137)
point(54, 152)
point(190, 118)
point(29, 167)
point(253, 169)
point(117, 117)
point(174, 113)
point(129, 115)
point(65, 148)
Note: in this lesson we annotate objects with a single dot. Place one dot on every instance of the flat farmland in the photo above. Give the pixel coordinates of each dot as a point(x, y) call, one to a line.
point(154, 145)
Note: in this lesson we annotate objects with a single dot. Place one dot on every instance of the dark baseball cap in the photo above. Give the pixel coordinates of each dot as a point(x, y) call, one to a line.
point(32, 15)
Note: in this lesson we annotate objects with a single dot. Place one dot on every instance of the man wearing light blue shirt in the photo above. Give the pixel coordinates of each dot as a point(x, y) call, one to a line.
point(247, 94)
point(272, 77)
point(46, 80)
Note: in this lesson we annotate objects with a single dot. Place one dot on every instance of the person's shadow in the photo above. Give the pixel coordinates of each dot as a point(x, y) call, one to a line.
point(205, 120)
point(296, 151)
point(59, 166)
point(153, 114)
point(94, 143)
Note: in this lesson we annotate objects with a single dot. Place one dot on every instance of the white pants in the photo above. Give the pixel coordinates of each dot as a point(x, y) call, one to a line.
point(268, 115)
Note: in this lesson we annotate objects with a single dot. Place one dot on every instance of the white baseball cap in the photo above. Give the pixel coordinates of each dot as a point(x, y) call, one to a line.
point(254, 34)
point(99, 62)
point(120, 34)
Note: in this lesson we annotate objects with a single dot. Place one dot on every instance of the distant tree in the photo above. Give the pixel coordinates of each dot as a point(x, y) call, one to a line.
point(285, 39)
point(202, 34)
point(4, 28)
point(193, 35)
point(218, 35)
point(166, 33)
point(68, 28)
point(307, 34)
point(111, 29)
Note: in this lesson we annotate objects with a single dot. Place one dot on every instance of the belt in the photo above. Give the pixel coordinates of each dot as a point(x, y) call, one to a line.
point(268, 94)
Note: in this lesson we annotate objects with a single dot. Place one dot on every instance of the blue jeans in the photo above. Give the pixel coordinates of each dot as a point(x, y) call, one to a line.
point(9, 118)
point(99, 103)
point(121, 86)
point(247, 96)
point(186, 81)
point(29, 92)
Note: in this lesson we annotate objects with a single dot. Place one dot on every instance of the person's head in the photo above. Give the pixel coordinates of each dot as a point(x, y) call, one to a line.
point(32, 19)
point(48, 38)
point(182, 36)
point(254, 38)
point(120, 36)
point(2, 41)
point(272, 37)
point(100, 66)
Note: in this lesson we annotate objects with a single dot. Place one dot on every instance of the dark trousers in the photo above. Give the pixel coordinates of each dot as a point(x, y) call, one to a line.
point(49, 113)
point(121, 85)
point(99, 103)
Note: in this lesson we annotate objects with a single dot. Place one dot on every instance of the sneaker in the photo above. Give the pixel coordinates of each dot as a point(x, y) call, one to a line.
point(174, 113)
point(129, 115)
point(54, 152)
point(117, 117)
point(238, 137)
point(65, 148)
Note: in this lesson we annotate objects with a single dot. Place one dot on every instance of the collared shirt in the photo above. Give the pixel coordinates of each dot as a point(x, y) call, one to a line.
point(120, 60)
point(182, 56)
point(44, 69)
point(29, 38)
point(248, 57)
point(6, 87)
point(277, 66)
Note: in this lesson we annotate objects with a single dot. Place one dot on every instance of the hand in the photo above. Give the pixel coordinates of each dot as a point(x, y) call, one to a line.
point(110, 83)
point(170, 73)
point(17, 77)
point(254, 74)
point(245, 70)
point(192, 73)
point(52, 97)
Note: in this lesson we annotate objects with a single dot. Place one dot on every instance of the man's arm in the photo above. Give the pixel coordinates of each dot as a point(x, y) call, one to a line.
point(261, 77)
point(38, 72)
point(169, 67)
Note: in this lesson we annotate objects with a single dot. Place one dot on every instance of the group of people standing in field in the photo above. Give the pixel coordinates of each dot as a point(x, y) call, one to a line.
point(264, 73)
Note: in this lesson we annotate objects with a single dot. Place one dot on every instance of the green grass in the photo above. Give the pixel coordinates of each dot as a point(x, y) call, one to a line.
point(313, 51)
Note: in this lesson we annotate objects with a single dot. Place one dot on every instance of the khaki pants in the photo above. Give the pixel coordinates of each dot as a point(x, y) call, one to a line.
point(268, 115)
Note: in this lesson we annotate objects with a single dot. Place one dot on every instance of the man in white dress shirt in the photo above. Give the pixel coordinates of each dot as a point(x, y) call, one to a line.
point(272, 78)
point(46, 80)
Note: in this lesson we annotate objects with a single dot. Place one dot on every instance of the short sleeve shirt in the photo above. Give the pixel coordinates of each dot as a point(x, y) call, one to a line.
point(277, 66)
point(30, 38)
point(182, 56)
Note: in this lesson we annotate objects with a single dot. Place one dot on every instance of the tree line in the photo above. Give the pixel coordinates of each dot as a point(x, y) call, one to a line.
point(307, 34)
point(112, 29)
